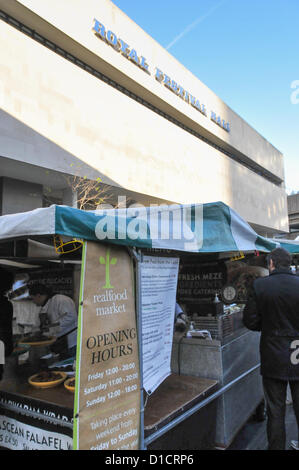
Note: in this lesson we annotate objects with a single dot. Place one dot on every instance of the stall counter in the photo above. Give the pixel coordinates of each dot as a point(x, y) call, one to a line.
point(234, 363)
point(32, 418)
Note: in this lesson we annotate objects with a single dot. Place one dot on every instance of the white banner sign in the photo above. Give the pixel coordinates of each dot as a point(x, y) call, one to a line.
point(16, 435)
point(158, 293)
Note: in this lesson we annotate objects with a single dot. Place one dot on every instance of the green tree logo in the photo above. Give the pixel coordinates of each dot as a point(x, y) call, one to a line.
point(107, 261)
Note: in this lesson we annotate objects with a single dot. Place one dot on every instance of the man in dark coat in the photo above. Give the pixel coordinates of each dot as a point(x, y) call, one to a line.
point(273, 309)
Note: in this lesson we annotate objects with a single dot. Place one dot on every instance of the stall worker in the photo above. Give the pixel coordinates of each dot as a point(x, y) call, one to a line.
point(6, 315)
point(58, 314)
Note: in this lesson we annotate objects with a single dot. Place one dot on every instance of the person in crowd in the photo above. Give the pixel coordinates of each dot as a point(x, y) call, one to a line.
point(58, 315)
point(6, 317)
point(273, 308)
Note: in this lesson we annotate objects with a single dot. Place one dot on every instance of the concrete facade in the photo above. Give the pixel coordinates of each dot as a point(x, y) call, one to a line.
point(293, 211)
point(90, 92)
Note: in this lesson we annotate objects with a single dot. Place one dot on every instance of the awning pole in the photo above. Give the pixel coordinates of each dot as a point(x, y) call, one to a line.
point(138, 259)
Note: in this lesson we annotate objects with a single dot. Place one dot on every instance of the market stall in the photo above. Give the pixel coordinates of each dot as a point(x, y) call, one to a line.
point(126, 318)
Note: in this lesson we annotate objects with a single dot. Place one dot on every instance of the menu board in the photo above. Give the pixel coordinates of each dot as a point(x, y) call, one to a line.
point(60, 281)
point(158, 293)
point(17, 435)
point(33, 424)
point(107, 395)
point(198, 282)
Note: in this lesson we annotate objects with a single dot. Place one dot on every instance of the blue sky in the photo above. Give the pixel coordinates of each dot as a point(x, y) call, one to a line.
point(246, 51)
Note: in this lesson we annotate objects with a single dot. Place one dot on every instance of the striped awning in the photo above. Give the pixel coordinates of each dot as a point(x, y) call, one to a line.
point(199, 228)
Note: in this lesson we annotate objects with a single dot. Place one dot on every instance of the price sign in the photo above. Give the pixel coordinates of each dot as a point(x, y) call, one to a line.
point(17, 435)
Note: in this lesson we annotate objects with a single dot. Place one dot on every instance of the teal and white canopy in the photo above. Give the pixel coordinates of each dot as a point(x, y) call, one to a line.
point(199, 228)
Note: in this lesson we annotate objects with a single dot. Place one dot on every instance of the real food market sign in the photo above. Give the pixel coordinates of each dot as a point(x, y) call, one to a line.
point(131, 54)
point(107, 395)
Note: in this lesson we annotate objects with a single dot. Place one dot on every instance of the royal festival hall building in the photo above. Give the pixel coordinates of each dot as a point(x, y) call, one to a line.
point(84, 90)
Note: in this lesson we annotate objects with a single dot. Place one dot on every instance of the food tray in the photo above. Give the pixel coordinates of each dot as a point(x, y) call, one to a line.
point(61, 376)
point(67, 385)
point(221, 326)
point(20, 349)
point(46, 342)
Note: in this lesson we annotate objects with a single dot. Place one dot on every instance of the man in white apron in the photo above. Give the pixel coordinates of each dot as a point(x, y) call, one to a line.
point(58, 315)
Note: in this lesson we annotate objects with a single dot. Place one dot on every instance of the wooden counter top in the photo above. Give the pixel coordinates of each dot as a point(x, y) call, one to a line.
point(54, 396)
point(175, 395)
point(15, 382)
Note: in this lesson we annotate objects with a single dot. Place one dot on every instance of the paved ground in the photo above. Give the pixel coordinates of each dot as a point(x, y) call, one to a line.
point(253, 435)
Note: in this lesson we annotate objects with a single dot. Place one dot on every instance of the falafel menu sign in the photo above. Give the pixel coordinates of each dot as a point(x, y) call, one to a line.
point(107, 395)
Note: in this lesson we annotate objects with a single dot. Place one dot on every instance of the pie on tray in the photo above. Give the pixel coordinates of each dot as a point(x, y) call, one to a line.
point(47, 379)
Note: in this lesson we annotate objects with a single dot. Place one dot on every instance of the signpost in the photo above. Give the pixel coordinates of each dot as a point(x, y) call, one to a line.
point(107, 395)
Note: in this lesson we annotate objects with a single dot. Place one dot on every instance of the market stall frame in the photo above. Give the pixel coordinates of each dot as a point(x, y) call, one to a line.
point(253, 241)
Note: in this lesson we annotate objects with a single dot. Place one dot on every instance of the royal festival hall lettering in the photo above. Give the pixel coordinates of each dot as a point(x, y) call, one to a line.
point(119, 45)
point(131, 54)
point(180, 91)
point(219, 121)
